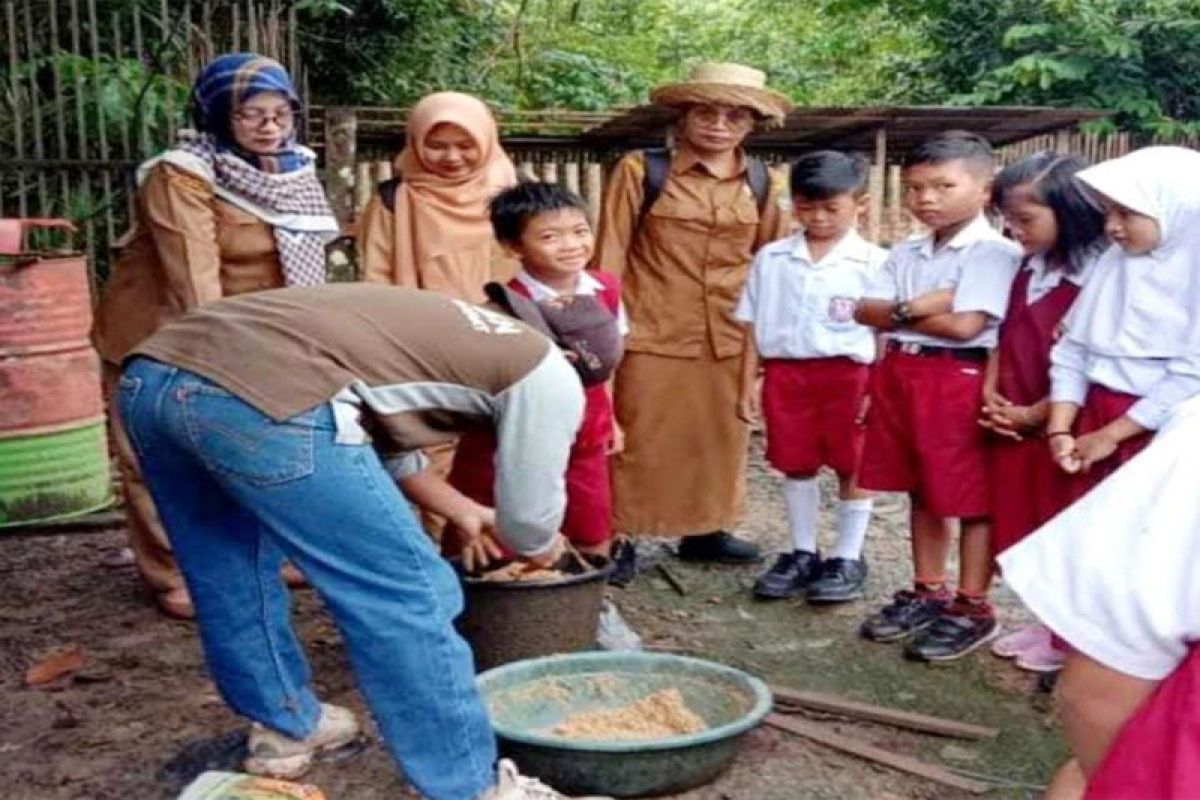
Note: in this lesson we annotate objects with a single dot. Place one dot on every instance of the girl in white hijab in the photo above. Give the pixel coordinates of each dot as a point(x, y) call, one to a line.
point(1117, 575)
point(1131, 350)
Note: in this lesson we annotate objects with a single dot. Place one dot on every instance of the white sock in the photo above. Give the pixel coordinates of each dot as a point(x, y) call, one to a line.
point(853, 517)
point(803, 498)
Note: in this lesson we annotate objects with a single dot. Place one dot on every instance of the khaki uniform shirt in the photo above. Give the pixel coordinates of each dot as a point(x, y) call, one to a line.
point(460, 274)
point(187, 248)
point(684, 266)
point(414, 368)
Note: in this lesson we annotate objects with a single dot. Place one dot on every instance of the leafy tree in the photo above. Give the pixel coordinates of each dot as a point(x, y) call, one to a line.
point(1139, 58)
point(391, 52)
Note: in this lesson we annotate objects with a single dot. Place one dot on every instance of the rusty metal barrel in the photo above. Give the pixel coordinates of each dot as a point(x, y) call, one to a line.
point(53, 445)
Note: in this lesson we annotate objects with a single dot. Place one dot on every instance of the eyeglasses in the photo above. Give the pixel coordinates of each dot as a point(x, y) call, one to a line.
point(258, 117)
point(734, 117)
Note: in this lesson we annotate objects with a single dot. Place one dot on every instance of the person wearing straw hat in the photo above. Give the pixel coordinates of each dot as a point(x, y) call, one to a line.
point(681, 228)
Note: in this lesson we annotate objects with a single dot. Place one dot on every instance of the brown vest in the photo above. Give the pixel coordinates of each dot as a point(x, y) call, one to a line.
point(287, 350)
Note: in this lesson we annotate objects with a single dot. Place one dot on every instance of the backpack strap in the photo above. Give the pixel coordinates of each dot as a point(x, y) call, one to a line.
point(759, 179)
point(657, 165)
point(387, 192)
point(610, 295)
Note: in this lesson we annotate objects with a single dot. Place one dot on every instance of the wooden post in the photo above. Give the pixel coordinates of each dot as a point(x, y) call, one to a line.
point(570, 175)
point(1062, 141)
point(341, 137)
point(897, 220)
point(876, 183)
point(14, 60)
point(595, 188)
point(363, 186)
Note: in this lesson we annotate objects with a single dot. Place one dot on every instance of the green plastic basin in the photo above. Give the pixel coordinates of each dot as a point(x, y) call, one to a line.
point(527, 699)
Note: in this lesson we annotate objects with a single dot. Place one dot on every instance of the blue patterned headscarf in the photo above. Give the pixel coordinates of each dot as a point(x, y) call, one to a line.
point(227, 82)
point(282, 189)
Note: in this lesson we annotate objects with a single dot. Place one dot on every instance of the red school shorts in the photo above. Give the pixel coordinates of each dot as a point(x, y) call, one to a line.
point(923, 433)
point(811, 407)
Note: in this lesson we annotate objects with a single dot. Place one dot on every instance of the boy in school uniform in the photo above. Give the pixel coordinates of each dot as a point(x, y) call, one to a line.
point(546, 227)
point(923, 436)
point(799, 302)
point(580, 309)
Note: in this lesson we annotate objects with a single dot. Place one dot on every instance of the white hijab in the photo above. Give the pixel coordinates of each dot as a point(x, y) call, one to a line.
point(1146, 306)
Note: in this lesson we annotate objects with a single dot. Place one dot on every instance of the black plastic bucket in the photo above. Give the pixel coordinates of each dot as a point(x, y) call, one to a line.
point(506, 621)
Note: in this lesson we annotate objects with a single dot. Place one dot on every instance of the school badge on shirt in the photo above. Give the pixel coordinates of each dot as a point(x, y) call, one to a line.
point(841, 309)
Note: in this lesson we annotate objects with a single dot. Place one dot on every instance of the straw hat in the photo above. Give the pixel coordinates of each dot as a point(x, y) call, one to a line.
point(727, 84)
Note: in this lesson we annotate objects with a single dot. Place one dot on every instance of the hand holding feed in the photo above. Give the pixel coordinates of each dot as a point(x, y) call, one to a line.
point(551, 556)
point(476, 532)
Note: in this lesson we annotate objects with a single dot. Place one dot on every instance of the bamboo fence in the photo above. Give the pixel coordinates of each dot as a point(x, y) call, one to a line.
point(68, 155)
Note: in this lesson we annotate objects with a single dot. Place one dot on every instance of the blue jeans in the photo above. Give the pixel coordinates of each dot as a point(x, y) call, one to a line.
point(238, 494)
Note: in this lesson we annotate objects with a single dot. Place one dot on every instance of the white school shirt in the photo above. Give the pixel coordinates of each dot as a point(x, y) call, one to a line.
point(1043, 280)
point(588, 286)
point(802, 309)
point(1161, 383)
point(978, 263)
point(1117, 574)
point(1136, 326)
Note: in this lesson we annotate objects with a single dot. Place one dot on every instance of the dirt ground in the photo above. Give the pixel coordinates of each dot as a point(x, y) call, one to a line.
point(141, 718)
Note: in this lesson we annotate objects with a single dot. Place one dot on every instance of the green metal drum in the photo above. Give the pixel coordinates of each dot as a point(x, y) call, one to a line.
point(47, 476)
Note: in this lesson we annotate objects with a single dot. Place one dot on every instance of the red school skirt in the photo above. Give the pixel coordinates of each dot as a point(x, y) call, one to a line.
point(1157, 752)
point(1101, 406)
point(811, 408)
point(1027, 489)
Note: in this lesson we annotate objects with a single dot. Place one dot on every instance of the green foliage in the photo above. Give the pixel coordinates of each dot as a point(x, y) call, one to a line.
point(121, 93)
point(391, 52)
point(1138, 58)
point(594, 54)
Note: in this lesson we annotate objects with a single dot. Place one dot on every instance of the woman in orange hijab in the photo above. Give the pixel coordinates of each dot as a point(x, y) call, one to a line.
point(428, 227)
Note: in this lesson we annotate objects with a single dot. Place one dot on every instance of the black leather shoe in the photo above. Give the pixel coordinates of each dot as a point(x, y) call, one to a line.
point(625, 568)
point(719, 547)
point(789, 576)
point(838, 581)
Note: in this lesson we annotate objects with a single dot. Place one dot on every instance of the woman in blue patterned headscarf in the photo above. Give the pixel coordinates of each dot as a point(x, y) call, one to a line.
point(234, 206)
point(248, 105)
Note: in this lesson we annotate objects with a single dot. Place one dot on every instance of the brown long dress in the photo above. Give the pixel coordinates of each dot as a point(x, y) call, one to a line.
point(683, 267)
point(187, 248)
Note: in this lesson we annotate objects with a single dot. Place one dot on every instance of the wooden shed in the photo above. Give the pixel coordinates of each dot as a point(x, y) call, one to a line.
point(576, 147)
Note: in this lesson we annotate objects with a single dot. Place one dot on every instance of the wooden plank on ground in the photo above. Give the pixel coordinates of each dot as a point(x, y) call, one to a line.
point(822, 735)
point(671, 580)
point(840, 706)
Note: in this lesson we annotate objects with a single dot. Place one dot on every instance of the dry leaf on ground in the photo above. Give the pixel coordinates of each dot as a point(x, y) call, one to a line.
point(55, 666)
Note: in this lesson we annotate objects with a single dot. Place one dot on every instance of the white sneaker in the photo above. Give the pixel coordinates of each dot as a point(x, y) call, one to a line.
point(512, 785)
point(278, 756)
point(613, 633)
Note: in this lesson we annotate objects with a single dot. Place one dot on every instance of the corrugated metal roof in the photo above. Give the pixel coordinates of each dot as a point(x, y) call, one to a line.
point(804, 129)
point(856, 128)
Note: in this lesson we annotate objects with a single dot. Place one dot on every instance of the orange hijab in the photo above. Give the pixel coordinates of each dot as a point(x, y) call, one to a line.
point(443, 238)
